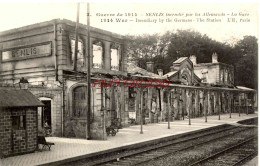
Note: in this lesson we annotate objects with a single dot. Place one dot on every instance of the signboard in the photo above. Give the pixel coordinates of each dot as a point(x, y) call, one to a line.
point(27, 52)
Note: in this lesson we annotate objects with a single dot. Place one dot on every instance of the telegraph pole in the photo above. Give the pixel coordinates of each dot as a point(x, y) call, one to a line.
point(76, 41)
point(88, 75)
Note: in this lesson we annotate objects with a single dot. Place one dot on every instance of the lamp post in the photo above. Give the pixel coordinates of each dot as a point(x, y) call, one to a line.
point(23, 84)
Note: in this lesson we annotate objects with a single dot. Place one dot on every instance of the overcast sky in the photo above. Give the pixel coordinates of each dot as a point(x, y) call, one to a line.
point(14, 15)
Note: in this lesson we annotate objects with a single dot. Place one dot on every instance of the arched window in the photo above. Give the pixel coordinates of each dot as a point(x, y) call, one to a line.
point(115, 55)
point(185, 78)
point(80, 57)
point(98, 55)
point(80, 101)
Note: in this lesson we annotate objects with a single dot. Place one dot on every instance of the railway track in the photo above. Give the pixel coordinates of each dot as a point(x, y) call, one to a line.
point(231, 156)
point(148, 152)
point(140, 148)
point(184, 145)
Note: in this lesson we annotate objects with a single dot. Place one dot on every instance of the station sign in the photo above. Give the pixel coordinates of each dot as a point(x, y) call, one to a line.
point(27, 52)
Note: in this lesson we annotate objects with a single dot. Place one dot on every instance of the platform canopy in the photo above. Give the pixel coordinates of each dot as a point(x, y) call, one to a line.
point(18, 98)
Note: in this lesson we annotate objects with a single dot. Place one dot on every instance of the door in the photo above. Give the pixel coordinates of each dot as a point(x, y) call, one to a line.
point(46, 113)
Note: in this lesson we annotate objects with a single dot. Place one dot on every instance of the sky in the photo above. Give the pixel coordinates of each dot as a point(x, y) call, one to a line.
point(14, 15)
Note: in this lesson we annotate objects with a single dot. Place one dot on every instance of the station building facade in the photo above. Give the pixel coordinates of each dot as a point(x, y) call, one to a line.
point(43, 53)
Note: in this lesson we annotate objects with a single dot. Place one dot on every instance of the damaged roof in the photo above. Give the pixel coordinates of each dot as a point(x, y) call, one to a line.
point(18, 98)
point(180, 60)
point(169, 74)
point(134, 70)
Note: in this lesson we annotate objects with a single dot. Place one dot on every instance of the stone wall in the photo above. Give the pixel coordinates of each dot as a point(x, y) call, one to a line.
point(55, 95)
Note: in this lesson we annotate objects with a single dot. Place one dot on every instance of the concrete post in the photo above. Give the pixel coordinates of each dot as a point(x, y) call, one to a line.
point(239, 100)
point(183, 102)
point(196, 103)
point(162, 105)
point(124, 112)
point(175, 103)
point(206, 105)
point(230, 103)
point(149, 98)
point(246, 103)
point(190, 104)
point(214, 102)
point(209, 103)
point(219, 104)
point(141, 111)
point(137, 105)
point(169, 109)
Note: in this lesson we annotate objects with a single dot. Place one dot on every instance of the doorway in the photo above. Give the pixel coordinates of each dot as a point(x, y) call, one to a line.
point(46, 113)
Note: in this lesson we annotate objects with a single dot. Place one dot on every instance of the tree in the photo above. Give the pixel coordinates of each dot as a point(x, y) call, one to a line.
point(248, 46)
point(164, 49)
point(142, 48)
point(246, 66)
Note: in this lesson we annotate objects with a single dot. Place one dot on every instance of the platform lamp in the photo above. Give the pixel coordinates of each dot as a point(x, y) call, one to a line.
point(132, 92)
point(23, 84)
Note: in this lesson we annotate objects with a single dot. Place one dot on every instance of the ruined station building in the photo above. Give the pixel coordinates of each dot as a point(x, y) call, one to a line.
point(43, 54)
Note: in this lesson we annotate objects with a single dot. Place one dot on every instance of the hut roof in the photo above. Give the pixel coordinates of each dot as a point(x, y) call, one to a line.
point(18, 98)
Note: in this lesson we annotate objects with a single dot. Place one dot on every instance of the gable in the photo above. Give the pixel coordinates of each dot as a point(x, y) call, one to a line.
point(183, 72)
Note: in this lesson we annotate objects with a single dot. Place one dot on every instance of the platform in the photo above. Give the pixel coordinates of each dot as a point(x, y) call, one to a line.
point(68, 148)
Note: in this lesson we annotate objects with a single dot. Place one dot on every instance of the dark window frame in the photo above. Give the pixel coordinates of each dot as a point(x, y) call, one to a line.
point(16, 122)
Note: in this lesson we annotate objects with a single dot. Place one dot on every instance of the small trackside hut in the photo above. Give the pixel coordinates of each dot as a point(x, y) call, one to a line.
point(18, 122)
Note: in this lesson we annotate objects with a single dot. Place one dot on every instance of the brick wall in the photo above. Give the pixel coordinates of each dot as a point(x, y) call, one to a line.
point(5, 131)
point(14, 142)
point(31, 127)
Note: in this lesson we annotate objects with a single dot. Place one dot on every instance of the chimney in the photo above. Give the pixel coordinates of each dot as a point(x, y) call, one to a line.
point(214, 57)
point(160, 72)
point(193, 59)
point(150, 66)
point(172, 68)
